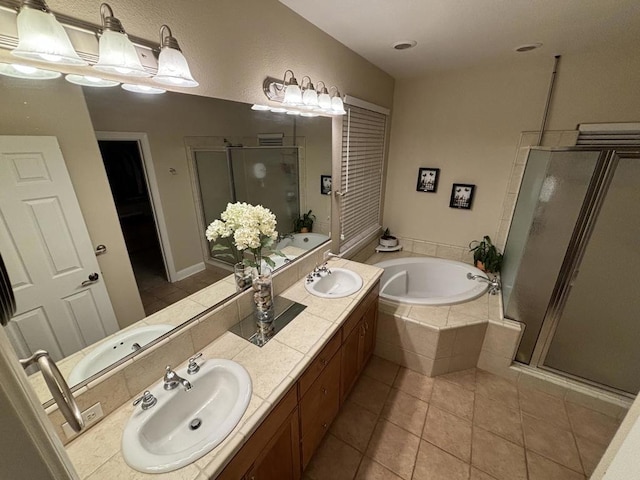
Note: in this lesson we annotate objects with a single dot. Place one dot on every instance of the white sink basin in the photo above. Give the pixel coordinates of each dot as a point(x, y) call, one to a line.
point(162, 438)
point(339, 283)
point(114, 349)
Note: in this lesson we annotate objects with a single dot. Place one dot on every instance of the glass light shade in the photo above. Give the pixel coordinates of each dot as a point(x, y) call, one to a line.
point(324, 101)
point(27, 71)
point(41, 37)
point(337, 106)
point(258, 107)
point(118, 55)
point(143, 89)
point(292, 95)
point(278, 110)
point(310, 98)
point(308, 114)
point(89, 81)
point(293, 112)
point(173, 69)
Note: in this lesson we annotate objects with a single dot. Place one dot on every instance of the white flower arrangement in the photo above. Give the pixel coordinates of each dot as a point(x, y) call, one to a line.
point(252, 228)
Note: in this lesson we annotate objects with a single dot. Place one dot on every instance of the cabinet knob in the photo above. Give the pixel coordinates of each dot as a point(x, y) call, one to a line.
point(324, 362)
point(325, 425)
point(324, 391)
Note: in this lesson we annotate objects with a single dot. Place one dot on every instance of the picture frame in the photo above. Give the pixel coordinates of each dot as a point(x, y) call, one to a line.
point(462, 196)
point(428, 180)
point(325, 184)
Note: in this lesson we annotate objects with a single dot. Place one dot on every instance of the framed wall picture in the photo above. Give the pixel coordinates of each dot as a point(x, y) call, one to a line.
point(462, 196)
point(428, 180)
point(325, 184)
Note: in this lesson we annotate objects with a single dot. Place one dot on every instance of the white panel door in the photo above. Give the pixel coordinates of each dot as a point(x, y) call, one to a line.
point(48, 252)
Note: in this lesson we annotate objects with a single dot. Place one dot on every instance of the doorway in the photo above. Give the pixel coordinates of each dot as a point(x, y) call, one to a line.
point(125, 170)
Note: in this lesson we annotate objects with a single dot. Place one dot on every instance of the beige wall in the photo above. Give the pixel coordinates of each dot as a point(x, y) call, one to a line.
point(468, 124)
point(58, 108)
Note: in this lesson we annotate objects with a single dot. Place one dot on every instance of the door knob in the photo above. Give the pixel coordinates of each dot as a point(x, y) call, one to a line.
point(100, 249)
point(93, 278)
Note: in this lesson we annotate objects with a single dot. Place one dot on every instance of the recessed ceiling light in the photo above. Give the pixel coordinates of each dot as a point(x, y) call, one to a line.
point(404, 44)
point(528, 47)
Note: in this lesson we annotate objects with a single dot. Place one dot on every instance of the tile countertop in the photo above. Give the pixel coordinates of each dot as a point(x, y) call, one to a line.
point(274, 368)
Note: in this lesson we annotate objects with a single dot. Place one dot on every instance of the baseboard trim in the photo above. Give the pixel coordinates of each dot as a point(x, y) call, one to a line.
point(187, 272)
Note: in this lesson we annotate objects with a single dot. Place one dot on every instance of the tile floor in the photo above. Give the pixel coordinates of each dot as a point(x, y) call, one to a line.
point(469, 425)
point(157, 293)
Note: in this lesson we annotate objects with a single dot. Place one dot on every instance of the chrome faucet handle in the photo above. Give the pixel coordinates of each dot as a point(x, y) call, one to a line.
point(193, 366)
point(147, 399)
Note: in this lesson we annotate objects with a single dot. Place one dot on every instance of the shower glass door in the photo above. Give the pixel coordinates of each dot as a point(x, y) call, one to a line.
point(596, 336)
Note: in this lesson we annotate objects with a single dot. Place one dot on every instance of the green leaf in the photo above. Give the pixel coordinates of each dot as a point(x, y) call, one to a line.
point(217, 247)
point(269, 262)
point(278, 253)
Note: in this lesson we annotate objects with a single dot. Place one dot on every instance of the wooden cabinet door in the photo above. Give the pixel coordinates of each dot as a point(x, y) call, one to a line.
point(280, 460)
point(370, 321)
point(352, 358)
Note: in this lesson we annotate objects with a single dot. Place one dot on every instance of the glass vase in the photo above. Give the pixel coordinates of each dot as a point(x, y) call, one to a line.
point(263, 296)
point(242, 276)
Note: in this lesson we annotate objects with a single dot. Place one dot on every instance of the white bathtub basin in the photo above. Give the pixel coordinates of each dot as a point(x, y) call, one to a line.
point(304, 241)
point(115, 349)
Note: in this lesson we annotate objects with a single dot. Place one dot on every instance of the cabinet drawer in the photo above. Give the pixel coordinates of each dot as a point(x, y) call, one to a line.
point(322, 400)
point(319, 363)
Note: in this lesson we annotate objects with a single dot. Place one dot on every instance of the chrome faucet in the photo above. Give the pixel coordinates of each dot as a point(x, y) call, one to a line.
point(172, 380)
point(494, 283)
point(282, 237)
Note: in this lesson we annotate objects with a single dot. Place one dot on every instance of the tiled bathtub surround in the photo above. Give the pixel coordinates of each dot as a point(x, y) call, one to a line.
point(399, 424)
point(274, 369)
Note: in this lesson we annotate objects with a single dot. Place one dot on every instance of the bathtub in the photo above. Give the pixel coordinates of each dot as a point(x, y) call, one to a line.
point(305, 241)
point(429, 281)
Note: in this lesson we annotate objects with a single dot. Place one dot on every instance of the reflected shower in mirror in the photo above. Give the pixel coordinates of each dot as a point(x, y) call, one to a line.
point(142, 176)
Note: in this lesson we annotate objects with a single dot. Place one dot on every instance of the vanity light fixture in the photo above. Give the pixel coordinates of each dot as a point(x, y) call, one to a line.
point(116, 52)
point(146, 89)
point(309, 94)
point(337, 105)
point(41, 37)
point(173, 68)
point(90, 81)
point(324, 100)
point(26, 71)
point(292, 92)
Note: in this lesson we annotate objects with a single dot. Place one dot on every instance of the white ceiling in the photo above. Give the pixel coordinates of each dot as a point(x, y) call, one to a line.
point(460, 33)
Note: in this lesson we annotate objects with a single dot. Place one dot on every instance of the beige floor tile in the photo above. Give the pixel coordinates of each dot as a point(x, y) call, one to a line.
point(155, 307)
point(394, 448)
point(541, 468)
point(590, 453)
point(370, 394)
point(370, 470)
point(544, 406)
point(463, 378)
point(479, 475)
point(551, 442)
point(176, 296)
point(500, 458)
point(453, 398)
point(592, 425)
point(497, 388)
point(449, 432)
point(405, 411)
point(354, 425)
point(382, 370)
point(498, 419)
point(414, 383)
point(435, 464)
point(163, 290)
point(334, 459)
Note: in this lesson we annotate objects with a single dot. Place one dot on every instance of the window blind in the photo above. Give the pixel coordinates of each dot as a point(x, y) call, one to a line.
point(363, 146)
point(608, 134)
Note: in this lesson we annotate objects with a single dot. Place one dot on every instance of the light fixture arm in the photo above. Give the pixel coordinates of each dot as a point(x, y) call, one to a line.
point(324, 87)
point(337, 91)
point(109, 22)
point(169, 40)
point(36, 5)
point(309, 84)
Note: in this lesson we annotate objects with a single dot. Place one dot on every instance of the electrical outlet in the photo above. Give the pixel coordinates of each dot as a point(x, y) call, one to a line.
point(90, 416)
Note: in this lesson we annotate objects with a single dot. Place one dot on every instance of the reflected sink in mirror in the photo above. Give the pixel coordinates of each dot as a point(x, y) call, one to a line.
point(337, 284)
point(183, 426)
point(304, 241)
point(115, 349)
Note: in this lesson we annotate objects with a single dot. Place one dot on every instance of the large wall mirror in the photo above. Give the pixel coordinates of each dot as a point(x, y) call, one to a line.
point(141, 175)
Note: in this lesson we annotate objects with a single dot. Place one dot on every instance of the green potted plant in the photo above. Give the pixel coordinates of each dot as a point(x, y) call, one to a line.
point(304, 224)
point(388, 240)
point(485, 255)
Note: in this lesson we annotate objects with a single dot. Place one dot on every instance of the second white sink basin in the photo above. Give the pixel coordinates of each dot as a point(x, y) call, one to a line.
point(186, 425)
point(337, 284)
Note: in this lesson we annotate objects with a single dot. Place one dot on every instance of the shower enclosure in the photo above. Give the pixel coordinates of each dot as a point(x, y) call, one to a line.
point(572, 263)
point(261, 175)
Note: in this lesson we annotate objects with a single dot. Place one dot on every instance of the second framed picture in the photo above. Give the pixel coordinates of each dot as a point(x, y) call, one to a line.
point(428, 180)
point(462, 196)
